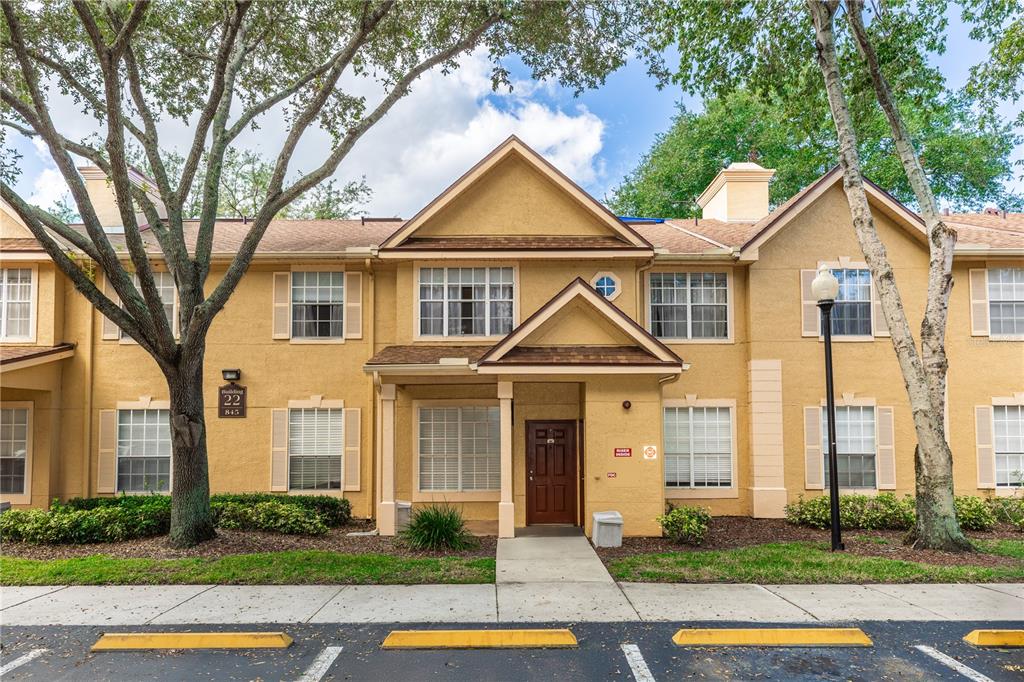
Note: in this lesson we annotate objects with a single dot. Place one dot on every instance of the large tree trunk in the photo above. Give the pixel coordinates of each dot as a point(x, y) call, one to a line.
point(936, 523)
point(191, 519)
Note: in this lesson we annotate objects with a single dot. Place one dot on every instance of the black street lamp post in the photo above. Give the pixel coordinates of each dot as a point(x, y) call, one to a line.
point(826, 288)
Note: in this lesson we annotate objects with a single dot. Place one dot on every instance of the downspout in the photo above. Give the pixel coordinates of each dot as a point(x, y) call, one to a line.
point(87, 405)
point(372, 403)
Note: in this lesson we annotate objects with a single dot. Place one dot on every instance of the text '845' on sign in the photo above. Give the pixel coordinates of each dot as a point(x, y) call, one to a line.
point(231, 401)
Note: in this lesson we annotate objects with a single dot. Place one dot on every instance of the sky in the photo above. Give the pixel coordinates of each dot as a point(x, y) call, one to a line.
point(448, 123)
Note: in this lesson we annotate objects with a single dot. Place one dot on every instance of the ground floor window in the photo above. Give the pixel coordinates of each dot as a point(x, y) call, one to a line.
point(698, 447)
point(855, 446)
point(459, 448)
point(315, 448)
point(14, 425)
point(1009, 430)
point(143, 451)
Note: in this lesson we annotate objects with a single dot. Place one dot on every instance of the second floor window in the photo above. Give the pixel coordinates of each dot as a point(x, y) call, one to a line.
point(318, 305)
point(15, 304)
point(1006, 301)
point(1009, 431)
point(466, 301)
point(165, 287)
point(851, 315)
point(143, 451)
point(855, 446)
point(689, 305)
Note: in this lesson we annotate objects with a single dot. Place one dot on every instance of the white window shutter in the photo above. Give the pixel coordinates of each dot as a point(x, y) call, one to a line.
point(985, 446)
point(810, 317)
point(879, 326)
point(979, 301)
point(111, 332)
point(885, 443)
point(353, 305)
point(282, 305)
point(279, 450)
point(353, 441)
point(814, 463)
point(106, 470)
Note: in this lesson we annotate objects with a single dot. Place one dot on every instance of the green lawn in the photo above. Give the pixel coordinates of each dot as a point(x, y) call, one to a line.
point(297, 567)
point(806, 562)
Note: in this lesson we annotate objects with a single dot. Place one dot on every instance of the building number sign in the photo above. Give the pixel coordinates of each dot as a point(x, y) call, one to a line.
point(231, 401)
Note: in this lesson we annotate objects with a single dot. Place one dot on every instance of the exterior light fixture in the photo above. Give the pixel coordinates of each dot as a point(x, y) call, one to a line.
point(825, 288)
point(626, 404)
point(231, 375)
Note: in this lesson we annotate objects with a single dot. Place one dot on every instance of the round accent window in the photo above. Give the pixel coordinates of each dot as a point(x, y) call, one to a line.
point(606, 284)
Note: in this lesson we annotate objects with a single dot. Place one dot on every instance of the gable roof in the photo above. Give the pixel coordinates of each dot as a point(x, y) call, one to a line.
point(513, 146)
point(647, 351)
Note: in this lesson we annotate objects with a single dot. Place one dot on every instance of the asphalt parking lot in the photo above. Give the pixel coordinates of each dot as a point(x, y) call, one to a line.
point(621, 651)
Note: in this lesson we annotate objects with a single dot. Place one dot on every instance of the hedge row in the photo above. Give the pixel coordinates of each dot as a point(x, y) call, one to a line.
point(888, 512)
point(112, 519)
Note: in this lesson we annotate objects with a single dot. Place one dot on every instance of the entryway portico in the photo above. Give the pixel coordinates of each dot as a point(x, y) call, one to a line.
point(553, 422)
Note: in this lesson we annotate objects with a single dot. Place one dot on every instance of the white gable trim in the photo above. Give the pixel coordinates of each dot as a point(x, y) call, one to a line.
point(513, 145)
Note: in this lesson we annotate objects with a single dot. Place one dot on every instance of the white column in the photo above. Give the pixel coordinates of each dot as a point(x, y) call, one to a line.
point(386, 520)
point(506, 508)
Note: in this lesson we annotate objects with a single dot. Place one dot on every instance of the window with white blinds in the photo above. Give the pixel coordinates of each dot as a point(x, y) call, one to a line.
point(315, 448)
point(698, 447)
point(1009, 444)
point(459, 448)
point(855, 445)
point(15, 303)
point(143, 451)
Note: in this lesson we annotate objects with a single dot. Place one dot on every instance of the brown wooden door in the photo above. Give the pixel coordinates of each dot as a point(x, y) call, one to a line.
point(550, 472)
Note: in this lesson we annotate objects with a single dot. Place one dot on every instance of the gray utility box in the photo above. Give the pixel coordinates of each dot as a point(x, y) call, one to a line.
point(403, 514)
point(607, 529)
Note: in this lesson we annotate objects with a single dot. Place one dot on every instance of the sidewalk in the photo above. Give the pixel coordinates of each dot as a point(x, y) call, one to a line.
point(561, 602)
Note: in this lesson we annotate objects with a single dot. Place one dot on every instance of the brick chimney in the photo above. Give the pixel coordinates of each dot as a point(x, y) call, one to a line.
point(738, 193)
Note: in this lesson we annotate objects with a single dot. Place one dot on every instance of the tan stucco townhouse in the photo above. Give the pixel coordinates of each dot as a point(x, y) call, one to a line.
point(519, 351)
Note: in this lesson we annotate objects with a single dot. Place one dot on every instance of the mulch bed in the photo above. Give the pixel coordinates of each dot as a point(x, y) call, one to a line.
point(230, 542)
point(730, 532)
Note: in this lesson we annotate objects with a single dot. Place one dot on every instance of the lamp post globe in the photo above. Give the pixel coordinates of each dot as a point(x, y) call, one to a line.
point(825, 288)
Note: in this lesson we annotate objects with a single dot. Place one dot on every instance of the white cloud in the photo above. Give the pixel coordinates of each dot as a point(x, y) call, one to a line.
point(47, 187)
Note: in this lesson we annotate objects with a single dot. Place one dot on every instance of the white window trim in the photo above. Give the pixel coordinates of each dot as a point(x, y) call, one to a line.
point(314, 401)
point(144, 402)
point(853, 400)
point(26, 496)
point(419, 495)
point(126, 340)
point(311, 341)
point(1017, 399)
point(846, 263)
point(989, 267)
point(455, 339)
point(615, 278)
point(33, 307)
point(729, 304)
point(676, 493)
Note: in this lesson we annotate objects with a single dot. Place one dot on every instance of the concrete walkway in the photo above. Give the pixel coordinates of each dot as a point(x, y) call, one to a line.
point(507, 602)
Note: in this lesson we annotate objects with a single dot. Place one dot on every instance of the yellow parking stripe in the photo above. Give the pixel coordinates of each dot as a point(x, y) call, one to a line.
point(772, 637)
point(122, 641)
point(996, 638)
point(479, 639)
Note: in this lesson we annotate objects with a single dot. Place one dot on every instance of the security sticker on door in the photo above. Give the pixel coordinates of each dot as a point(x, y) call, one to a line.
point(650, 452)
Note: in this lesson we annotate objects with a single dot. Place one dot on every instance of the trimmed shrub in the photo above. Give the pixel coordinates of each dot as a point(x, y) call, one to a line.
point(272, 516)
point(687, 525)
point(333, 511)
point(974, 513)
point(78, 526)
point(436, 528)
point(879, 512)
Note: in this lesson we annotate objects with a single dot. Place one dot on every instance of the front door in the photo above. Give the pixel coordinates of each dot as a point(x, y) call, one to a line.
point(550, 472)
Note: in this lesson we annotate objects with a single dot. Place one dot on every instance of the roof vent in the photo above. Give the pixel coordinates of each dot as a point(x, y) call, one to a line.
point(992, 210)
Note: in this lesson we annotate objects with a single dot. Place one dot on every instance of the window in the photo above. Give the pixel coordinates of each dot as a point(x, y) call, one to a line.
point(143, 451)
point(459, 448)
point(14, 425)
point(851, 315)
point(315, 448)
point(466, 301)
point(1009, 431)
point(318, 304)
point(690, 305)
point(606, 284)
point(16, 303)
point(855, 446)
point(1006, 301)
point(698, 447)
point(168, 295)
